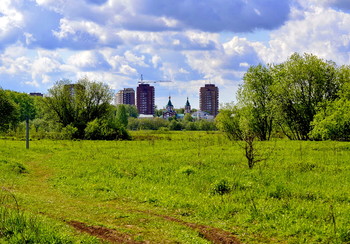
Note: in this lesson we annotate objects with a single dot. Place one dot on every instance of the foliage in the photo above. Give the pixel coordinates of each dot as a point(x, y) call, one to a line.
point(238, 125)
point(256, 94)
point(332, 121)
point(173, 124)
point(121, 115)
point(228, 121)
point(103, 129)
point(78, 104)
point(8, 111)
point(131, 110)
point(188, 117)
point(300, 85)
point(26, 105)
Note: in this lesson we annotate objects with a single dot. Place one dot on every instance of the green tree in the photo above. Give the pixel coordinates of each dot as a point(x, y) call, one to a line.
point(236, 123)
point(188, 118)
point(300, 85)
point(256, 94)
point(8, 110)
point(77, 104)
point(121, 115)
point(131, 110)
point(332, 121)
point(25, 104)
point(228, 121)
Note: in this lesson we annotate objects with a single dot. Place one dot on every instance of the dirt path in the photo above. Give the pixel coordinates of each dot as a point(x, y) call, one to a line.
point(215, 235)
point(103, 233)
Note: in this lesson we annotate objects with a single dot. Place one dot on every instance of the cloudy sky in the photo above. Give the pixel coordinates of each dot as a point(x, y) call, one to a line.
point(189, 42)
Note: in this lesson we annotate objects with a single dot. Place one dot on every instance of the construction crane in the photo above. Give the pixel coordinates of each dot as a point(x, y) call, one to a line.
point(142, 81)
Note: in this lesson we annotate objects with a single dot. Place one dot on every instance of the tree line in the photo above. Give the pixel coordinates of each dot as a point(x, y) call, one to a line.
point(82, 110)
point(70, 111)
point(303, 98)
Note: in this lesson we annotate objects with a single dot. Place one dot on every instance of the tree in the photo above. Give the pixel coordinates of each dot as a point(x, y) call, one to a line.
point(131, 110)
point(25, 104)
point(332, 120)
point(236, 123)
point(121, 115)
point(300, 85)
point(8, 110)
point(188, 118)
point(228, 121)
point(77, 104)
point(256, 94)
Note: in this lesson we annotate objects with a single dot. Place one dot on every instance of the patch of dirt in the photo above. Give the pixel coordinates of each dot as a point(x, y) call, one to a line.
point(215, 235)
point(104, 233)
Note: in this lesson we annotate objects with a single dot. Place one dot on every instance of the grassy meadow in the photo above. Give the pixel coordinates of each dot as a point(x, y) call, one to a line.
point(299, 194)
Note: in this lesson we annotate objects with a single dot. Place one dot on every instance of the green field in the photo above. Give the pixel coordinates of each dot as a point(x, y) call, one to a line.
point(172, 187)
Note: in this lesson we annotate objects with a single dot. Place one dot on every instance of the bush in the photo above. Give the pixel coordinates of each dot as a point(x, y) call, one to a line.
point(333, 123)
point(221, 187)
point(100, 129)
point(175, 125)
point(69, 132)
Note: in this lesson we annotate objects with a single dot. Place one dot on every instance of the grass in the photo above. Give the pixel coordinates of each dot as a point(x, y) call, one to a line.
point(300, 194)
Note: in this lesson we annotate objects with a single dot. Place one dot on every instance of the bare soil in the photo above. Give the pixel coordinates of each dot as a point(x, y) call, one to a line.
point(103, 233)
point(215, 235)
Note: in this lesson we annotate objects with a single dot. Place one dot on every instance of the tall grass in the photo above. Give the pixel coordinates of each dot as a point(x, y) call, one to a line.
point(300, 194)
point(17, 226)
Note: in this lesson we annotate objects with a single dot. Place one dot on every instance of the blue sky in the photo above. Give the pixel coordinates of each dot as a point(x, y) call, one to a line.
point(189, 42)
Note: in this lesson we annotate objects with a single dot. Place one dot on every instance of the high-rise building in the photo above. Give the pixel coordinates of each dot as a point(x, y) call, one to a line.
point(125, 96)
point(209, 99)
point(145, 99)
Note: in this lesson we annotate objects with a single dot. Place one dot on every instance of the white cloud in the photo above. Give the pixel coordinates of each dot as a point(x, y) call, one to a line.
point(323, 32)
point(89, 60)
point(127, 70)
point(156, 60)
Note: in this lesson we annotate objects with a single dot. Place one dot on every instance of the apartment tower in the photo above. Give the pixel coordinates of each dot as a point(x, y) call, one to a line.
point(145, 99)
point(209, 99)
point(125, 96)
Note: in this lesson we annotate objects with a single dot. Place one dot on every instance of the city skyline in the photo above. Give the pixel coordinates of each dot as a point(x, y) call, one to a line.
point(188, 42)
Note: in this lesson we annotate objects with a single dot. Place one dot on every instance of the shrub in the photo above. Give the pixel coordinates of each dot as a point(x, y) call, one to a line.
point(221, 187)
point(101, 129)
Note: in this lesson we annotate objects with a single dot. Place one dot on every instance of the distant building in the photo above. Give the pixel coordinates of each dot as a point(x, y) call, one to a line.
point(202, 115)
point(36, 94)
point(209, 99)
point(118, 99)
point(169, 112)
point(187, 107)
point(145, 99)
point(125, 96)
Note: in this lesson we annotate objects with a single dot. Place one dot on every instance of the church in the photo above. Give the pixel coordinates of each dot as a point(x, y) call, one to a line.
point(170, 112)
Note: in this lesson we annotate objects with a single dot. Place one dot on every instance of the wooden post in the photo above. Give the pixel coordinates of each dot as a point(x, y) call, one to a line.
point(27, 133)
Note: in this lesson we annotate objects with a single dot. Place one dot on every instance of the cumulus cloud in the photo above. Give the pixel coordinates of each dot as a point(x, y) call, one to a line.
point(89, 60)
point(190, 42)
point(322, 31)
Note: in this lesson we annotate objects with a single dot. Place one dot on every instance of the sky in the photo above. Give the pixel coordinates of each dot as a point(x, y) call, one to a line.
point(187, 42)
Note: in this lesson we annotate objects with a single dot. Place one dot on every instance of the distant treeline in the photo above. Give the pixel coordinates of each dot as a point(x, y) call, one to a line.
point(80, 111)
point(304, 98)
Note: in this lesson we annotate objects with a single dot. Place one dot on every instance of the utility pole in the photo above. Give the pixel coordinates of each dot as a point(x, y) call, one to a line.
point(27, 132)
